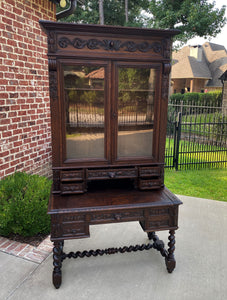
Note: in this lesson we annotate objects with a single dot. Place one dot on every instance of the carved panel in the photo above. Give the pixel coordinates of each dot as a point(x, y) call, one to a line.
point(53, 85)
point(149, 171)
point(174, 215)
point(117, 216)
point(73, 188)
point(166, 47)
point(165, 81)
point(112, 173)
point(149, 184)
point(110, 45)
point(72, 175)
point(56, 230)
point(159, 211)
point(74, 229)
point(56, 180)
point(52, 44)
point(158, 224)
point(72, 218)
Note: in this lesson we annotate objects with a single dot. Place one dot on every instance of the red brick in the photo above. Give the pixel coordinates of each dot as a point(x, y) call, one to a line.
point(6, 134)
point(17, 131)
point(9, 171)
point(17, 11)
point(12, 126)
point(3, 155)
point(12, 247)
point(16, 144)
point(18, 249)
point(4, 121)
point(6, 244)
point(10, 88)
point(7, 20)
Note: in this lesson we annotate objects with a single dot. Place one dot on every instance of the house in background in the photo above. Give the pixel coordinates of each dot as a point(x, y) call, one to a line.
point(198, 68)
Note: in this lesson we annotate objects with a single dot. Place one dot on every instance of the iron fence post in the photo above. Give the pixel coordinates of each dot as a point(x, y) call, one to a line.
point(178, 137)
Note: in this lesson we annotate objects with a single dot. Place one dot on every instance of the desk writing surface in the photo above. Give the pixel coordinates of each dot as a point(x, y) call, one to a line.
point(112, 198)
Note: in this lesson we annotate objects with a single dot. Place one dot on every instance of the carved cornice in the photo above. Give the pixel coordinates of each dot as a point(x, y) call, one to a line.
point(110, 45)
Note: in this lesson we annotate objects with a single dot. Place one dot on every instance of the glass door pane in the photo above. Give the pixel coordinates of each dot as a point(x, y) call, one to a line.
point(136, 94)
point(84, 115)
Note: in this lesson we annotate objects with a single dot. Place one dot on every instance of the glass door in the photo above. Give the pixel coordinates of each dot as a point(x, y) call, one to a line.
point(85, 102)
point(135, 111)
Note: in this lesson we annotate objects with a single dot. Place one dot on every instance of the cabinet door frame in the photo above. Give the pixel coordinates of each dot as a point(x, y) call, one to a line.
point(114, 112)
point(62, 103)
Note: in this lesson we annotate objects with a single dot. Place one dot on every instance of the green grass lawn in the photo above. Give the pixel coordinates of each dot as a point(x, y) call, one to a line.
point(205, 183)
point(191, 153)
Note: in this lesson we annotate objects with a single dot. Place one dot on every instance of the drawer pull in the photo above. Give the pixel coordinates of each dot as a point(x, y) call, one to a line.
point(117, 217)
point(112, 174)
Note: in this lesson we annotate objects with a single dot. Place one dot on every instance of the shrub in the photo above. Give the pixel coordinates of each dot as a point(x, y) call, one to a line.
point(206, 99)
point(23, 204)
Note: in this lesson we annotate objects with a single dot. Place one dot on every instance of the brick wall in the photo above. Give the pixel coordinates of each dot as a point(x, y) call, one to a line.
point(25, 139)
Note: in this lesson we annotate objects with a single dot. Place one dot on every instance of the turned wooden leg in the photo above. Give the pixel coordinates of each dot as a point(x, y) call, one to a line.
point(57, 257)
point(152, 236)
point(170, 260)
point(158, 244)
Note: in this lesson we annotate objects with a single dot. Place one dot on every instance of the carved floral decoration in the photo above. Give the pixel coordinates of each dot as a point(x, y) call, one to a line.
point(109, 45)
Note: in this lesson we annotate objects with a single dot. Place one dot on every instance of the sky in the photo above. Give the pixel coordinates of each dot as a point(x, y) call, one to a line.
point(221, 38)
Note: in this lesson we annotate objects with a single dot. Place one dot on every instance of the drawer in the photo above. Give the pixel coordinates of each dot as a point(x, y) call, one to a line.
point(121, 216)
point(149, 184)
point(75, 229)
point(149, 171)
point(72, 188)
point(159, 211)
point(111, 173)
point(156, 223)
point(72, 175)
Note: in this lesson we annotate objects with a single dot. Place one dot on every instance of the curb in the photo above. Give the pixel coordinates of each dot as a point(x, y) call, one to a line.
point(26, 251)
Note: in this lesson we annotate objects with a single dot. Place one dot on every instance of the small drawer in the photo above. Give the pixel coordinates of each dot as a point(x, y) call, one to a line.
point(111, 173)
point(156, 223)
point(72, 188)
point(118, 216)
point(75, 229)
point(159, 211)
point(72, 175)
point(149, 184)
point(149, 171)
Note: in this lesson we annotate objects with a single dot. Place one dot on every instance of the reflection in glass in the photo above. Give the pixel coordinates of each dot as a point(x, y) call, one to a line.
point(84, 102)
point(136, 92)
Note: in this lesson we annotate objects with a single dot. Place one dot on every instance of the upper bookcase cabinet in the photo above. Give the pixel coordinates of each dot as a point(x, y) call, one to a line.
point(109, 95)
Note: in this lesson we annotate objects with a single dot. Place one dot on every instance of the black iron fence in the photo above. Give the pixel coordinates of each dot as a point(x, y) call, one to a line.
point(196, 137)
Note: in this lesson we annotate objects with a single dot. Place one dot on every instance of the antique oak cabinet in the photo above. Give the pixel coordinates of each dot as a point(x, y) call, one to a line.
point(109, 93)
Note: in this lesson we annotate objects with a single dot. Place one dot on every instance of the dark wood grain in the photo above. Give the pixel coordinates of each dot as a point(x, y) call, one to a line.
point(110, 189)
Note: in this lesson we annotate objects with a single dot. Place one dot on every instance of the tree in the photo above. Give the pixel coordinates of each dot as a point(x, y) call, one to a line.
point(192, 17)
point(121, 12)
point(101, 12)
point(126, 11)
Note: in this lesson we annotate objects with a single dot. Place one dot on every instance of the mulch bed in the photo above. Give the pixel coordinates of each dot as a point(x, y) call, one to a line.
point(31, 240)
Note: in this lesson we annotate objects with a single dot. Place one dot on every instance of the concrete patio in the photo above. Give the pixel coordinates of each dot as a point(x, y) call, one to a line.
point(201, 255)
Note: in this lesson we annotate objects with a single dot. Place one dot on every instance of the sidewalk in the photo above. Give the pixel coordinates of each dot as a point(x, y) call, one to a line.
point(201, 255)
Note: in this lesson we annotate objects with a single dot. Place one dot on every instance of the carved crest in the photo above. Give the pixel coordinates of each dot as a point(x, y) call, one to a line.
point(109, 45)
